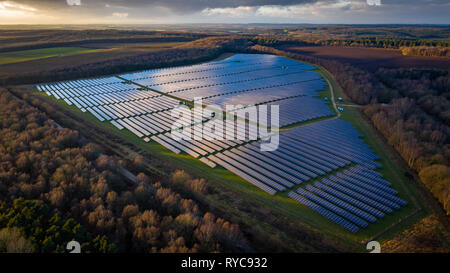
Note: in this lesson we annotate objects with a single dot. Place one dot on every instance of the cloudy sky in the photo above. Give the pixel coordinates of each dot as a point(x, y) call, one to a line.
point(224, 11)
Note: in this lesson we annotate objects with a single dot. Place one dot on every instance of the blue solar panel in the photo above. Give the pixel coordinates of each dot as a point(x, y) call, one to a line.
point(339, 211)
point(353, 196)
point(366, 216)
point(331, 216)
point(349, 199)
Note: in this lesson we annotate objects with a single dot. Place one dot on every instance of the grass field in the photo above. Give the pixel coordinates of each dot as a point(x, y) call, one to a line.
point(28, 55)
point(279, 204)
point(13, 64)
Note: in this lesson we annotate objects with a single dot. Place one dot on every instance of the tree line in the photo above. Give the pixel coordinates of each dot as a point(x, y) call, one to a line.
point(383, 43)
point(376, 42)
point(428, 48)
point(437, 51)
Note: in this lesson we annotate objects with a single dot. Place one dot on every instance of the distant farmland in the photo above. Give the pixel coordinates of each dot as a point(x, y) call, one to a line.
point(24, 63)
point(371, 58)
point(34, 54)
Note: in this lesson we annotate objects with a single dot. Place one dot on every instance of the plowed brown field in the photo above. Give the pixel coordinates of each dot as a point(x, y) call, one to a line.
point(373, 58)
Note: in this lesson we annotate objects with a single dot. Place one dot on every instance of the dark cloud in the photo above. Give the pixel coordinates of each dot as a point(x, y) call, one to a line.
point(198, 5)
point(178, 5)
point(202, 4)
point(425, 11)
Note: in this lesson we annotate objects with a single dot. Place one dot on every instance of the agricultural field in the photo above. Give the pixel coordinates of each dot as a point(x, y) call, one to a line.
point(35, 54)
point(16, 63)
point(372, 59)
point(322, 170)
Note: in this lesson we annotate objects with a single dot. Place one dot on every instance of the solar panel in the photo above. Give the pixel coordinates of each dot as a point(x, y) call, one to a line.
point(346, 187)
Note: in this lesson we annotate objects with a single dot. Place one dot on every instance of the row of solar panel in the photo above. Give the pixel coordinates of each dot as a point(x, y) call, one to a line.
point(341, 203)
point(347, 200)
point(124, 96)
point(359, 196)
point(197, 148)
point(389, 200)
point(238, 171)
point(230, 65)
point(317, 154)
point(349, 147)
point(297, 109)
point(208, 143)
point(352, 199)
point(163, 122)
point(362, 188)
point(144, 124)
point(61, 93)
point(104, 113)
point(222, 94)
point(293, 158)
point(355, 142)
point(106, 99)
point(230, 76)
point(321, 135)
point(326, 213)
point(370, 174)
point(230, 72)
point(133, 108)
point(79, 84)
point(182, 70)
point(155, 123)
point(185, 71)
point(239, 60)
point(287, 165)
point(131, 95)
point(311, 161)
point(246, 83)
point(327, 205)
point(348, 144)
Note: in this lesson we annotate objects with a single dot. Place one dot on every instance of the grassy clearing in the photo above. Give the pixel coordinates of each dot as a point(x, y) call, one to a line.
point(28, 55)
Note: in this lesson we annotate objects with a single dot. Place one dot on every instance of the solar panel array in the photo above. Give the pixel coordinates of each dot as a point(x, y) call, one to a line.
point(353, 196)
point(290, 113)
